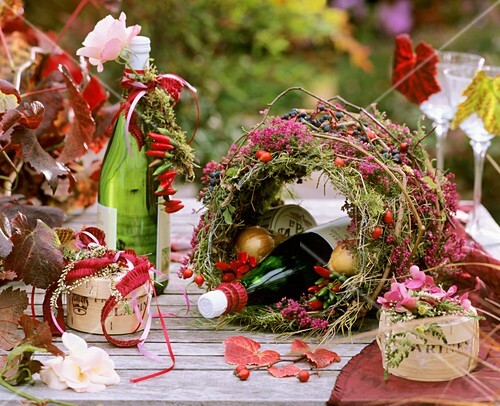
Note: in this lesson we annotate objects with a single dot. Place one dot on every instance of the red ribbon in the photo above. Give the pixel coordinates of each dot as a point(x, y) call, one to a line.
point(169, 82)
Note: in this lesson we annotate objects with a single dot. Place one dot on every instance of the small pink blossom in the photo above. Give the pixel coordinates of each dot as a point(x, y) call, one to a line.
point(397, 299)
point(418, 279)
point(108, 40)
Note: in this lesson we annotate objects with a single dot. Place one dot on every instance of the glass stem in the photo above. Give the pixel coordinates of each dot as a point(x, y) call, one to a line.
point(479, 149)
point(441, 128)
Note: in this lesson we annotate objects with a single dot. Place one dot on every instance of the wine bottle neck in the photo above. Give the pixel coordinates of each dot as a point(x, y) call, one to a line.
point(138, 56)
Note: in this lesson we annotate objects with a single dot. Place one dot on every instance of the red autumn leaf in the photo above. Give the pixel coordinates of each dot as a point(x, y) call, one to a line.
point(83, 125)
point(36, 256)
point(244, 351)
point(7, 121)
point(52, 61)
point(299, 347)
point(289, 370)
point(94, 93)
point(31, 114)
point(12, 205)
point(415, 74)
point(37, 157)
point(12, 305)
point(9, 88)
point(321, 357)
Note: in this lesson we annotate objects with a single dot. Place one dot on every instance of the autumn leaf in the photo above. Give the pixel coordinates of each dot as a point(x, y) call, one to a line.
point(31, 114)
point(483, 98)
point(66, 236)
point(415, 74)
point(12, 205)
point(242, 350)
point(289, 370)
point(320, 357)
point(38, 334)
point(83, 125)
point(12, 305)
point(9, 96)
point(94, 93)
point(37, 157)
point(36, 256)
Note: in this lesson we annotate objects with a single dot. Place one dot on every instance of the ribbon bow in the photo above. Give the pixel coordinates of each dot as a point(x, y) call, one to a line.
point(170, 82)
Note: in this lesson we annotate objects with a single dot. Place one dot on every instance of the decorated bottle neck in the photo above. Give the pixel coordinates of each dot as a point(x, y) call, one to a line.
point(225, 299)
point(138, 54)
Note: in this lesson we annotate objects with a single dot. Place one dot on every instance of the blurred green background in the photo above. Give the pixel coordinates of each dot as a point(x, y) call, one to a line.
point(241, 54)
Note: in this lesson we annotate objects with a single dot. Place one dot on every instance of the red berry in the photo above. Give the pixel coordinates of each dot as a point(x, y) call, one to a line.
point(243, 374)
point(303, 375)
point(259, 153)
point(264, 156)
point(377, 232)
point(371, 135)
point(187, 273)
point(388, 217)
point(339, 161)
point(239, 368)
point(199, 280)
point(403, 147)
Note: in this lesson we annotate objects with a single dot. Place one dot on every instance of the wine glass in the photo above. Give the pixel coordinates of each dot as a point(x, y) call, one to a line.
point(437, 106)
point(457, 79)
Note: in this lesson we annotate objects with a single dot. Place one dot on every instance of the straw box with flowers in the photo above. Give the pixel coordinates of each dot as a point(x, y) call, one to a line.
point(425, 332)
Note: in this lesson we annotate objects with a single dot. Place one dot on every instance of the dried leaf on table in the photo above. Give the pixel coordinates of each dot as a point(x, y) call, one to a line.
point(242, 350)
point(415, 74)
point(37, 256)
point(320, 357)
point(289, 370)
point(38, 334)
point(483, 98)
point(12, 305)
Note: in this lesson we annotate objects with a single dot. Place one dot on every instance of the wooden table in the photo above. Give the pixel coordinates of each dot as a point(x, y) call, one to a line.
point(201, 376)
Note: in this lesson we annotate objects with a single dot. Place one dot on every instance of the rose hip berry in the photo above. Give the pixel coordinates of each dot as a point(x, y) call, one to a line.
point(377, 232)
point(199, 280)
point(388, 217)
point(243, 374)
point(339, 161)
point(187, 273)
point(263, 155)
point(303, 376)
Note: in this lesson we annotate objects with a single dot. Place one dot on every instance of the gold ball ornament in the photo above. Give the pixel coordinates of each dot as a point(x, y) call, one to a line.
point(342, 261)
point(255, 241)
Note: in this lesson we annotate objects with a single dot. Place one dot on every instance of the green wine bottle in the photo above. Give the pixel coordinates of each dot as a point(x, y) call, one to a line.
point(127, 208)
point(286, 272)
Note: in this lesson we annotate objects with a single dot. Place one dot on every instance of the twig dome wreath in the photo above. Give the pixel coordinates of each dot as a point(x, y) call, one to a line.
point(380, 167)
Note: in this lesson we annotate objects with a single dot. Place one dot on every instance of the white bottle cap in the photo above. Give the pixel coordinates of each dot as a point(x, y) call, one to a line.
point(139, 49)
point(212, 304)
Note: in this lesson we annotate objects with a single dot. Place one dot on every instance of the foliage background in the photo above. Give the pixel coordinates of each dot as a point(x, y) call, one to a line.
point(241, 54)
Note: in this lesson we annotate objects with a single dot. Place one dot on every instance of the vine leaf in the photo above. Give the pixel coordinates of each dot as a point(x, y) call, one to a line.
point(83, 127)
point(289, 370)
point(37, 157)
point(36, 256)
point(415, 74)
point(12, 305)
point(12, 205)
point(242, 350)
point(483, 98)
point(38, 334)
point(321, 357)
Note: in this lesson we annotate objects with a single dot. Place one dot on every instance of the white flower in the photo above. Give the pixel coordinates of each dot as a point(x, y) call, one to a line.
point(84, 369)
point(108, 40)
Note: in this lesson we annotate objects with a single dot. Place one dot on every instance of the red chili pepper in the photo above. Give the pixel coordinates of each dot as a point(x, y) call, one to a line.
point(313, 289)
point(172, 206)
point(222, 266)
point(156, 154)
point(316, 304)
point(323, 272)
point(252, 261)
point(161, 146)
point(167, 175)
point(228, 277)
point(336, 287)
point(242, 256)
point(159, 137)
point(166, 192)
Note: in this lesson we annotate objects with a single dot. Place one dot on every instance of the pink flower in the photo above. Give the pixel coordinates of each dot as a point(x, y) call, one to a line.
point(108, 40)
point(397, 299)
point(439, 293)
point(418, 279)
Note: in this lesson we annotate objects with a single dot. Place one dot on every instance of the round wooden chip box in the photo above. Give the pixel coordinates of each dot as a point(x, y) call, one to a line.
point(86, 302)
point(436, 361)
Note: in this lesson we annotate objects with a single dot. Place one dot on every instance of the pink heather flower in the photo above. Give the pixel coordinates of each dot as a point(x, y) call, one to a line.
point(108, 40)
point(418, 279)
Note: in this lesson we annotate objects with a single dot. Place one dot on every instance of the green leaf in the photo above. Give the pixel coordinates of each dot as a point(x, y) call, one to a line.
point(430, 183)
point(483, 98)
point(228, 217)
